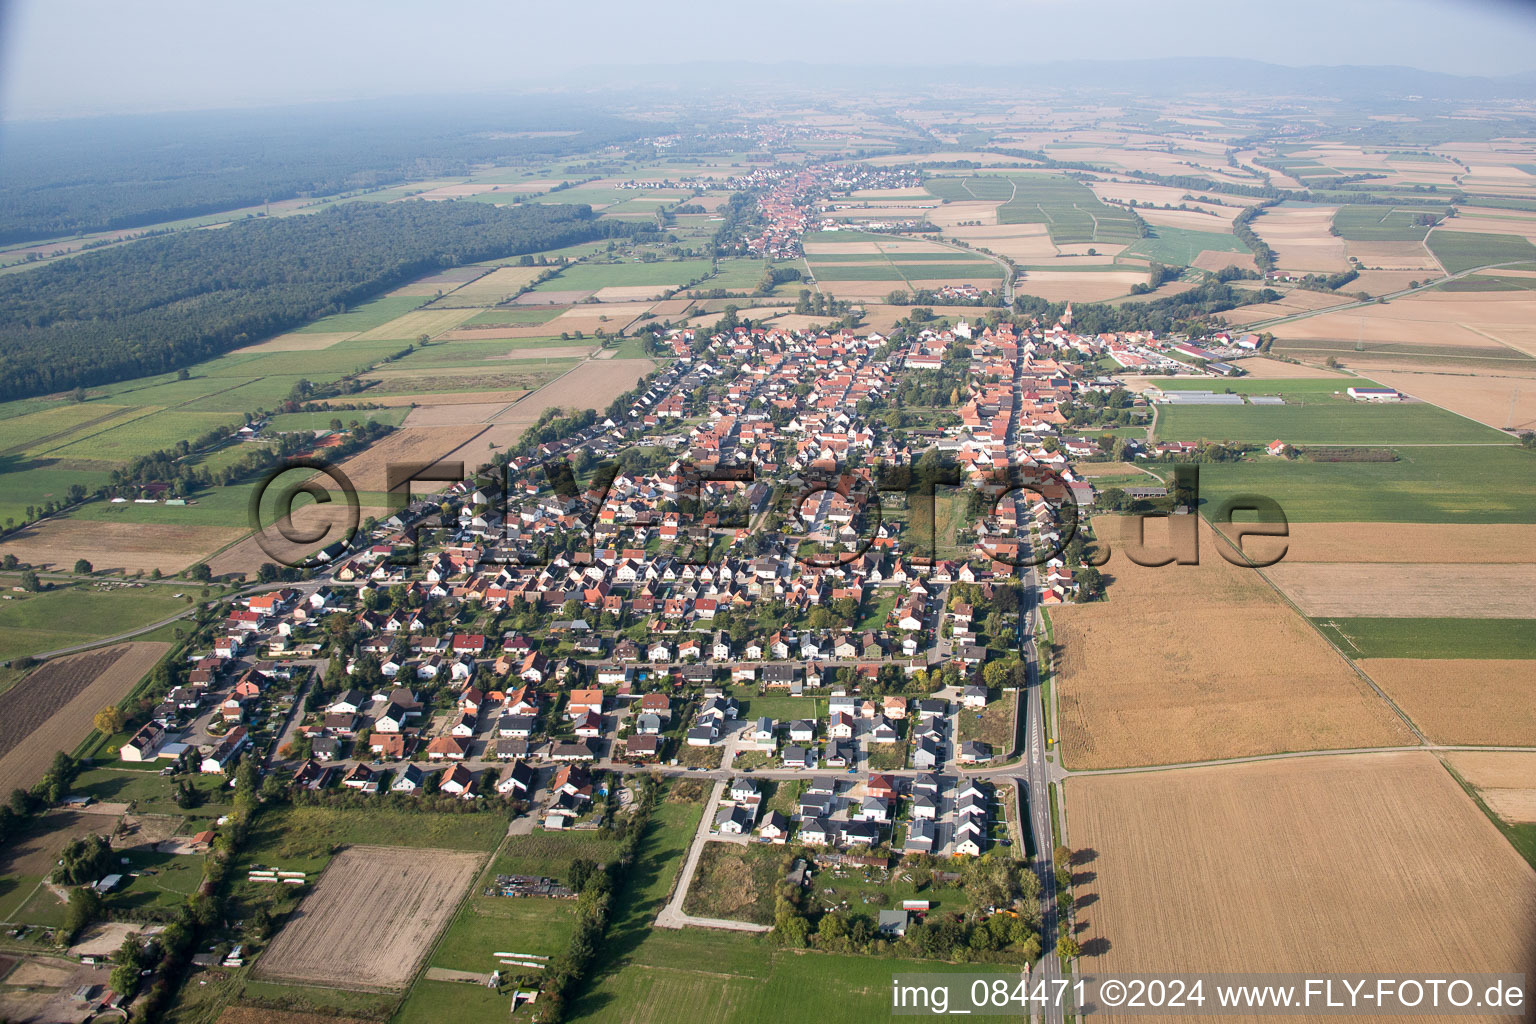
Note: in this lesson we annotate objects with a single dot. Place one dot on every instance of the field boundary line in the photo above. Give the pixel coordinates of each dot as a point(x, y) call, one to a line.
point(1412, 727)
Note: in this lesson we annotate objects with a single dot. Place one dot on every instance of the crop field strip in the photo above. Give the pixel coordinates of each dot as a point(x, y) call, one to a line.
point(1072, 212)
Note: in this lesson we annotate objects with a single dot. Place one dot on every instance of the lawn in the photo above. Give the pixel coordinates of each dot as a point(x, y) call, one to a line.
point(152, 793)
point(1323, 420)
point(1425, 485)
point(217, 506)
point(1463, 250)
point(1178, 247)
point(163, 881)
point(1431, 638)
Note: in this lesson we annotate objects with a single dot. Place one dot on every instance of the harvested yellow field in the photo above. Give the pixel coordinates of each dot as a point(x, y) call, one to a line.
point(1392, 256)
point(118, 547)
point(1264, 368)
point(1180, 664)
point(1078, 285)
point(1301, 239)
point(1091, 470)
point(1289, 303)
point(1246, 867)
point(368, 470)
point(842, 249)
point(1383, 282)
point(454, 415)
point(1192, 220)
point(1023, 243)
point(1215, 259)
point(591, 385)
point(300, 342)
point(861, 289)
point(409, 327)
point(1157, 195)
point(1485, 320)
point(1483, 701)
point(1499, 401)
point(497, 286)
point(1407, 590)
point(631, 292)
point(972, 212)
point(1502, 223)
point(1453, 543)
point(1505, 779)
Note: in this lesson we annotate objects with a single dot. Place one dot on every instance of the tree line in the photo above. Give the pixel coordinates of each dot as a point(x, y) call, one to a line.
point(165, 303)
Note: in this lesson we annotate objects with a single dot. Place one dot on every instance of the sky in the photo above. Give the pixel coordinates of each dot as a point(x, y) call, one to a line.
point(66, 58)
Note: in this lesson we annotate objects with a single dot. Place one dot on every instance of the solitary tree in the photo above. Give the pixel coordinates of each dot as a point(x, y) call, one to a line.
point(109, 721)
point(83, 567)
point(1068, 948)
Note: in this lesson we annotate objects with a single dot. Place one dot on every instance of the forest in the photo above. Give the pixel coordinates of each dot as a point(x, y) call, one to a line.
point(165, 303)
point(98, 174)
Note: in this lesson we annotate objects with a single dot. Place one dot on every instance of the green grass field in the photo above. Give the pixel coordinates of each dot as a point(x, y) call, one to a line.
point(367, 316)
point(1432, 638)
point(1382, 223)
point(1322, 420)
point(1463, 250)
point(1490, 283)
point(512, 317)
point(1178, 247)
point(1425, 485)
point(303, 838)
point(501, 924)
point(77, 613)
point(663, 273)
point(151, 793)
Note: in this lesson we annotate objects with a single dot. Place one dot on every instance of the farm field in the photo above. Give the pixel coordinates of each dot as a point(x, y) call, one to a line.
point(1506, 780)
point(75, 613)
point(1457, 543)
point(1463, 250)
point(1180, 247)
point(1151, 676)
point(368, 469)
point(375, 909)
point(1487, 701)
point(1241, 867)
point(1431, 637)
point(1408, 590)
point(1383, 223)
point(653, 277)
point(1264, 368)
point(1300, 238)
point(1323, 420)
point(1069, 209)
point(52, 709)
point(1503, 402)
point(1478, 485)
point(116, 546)
point(31, 856)
point(1079, 284)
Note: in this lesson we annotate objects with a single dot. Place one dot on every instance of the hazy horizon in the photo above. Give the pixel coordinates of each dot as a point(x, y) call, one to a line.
point(166, 55)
